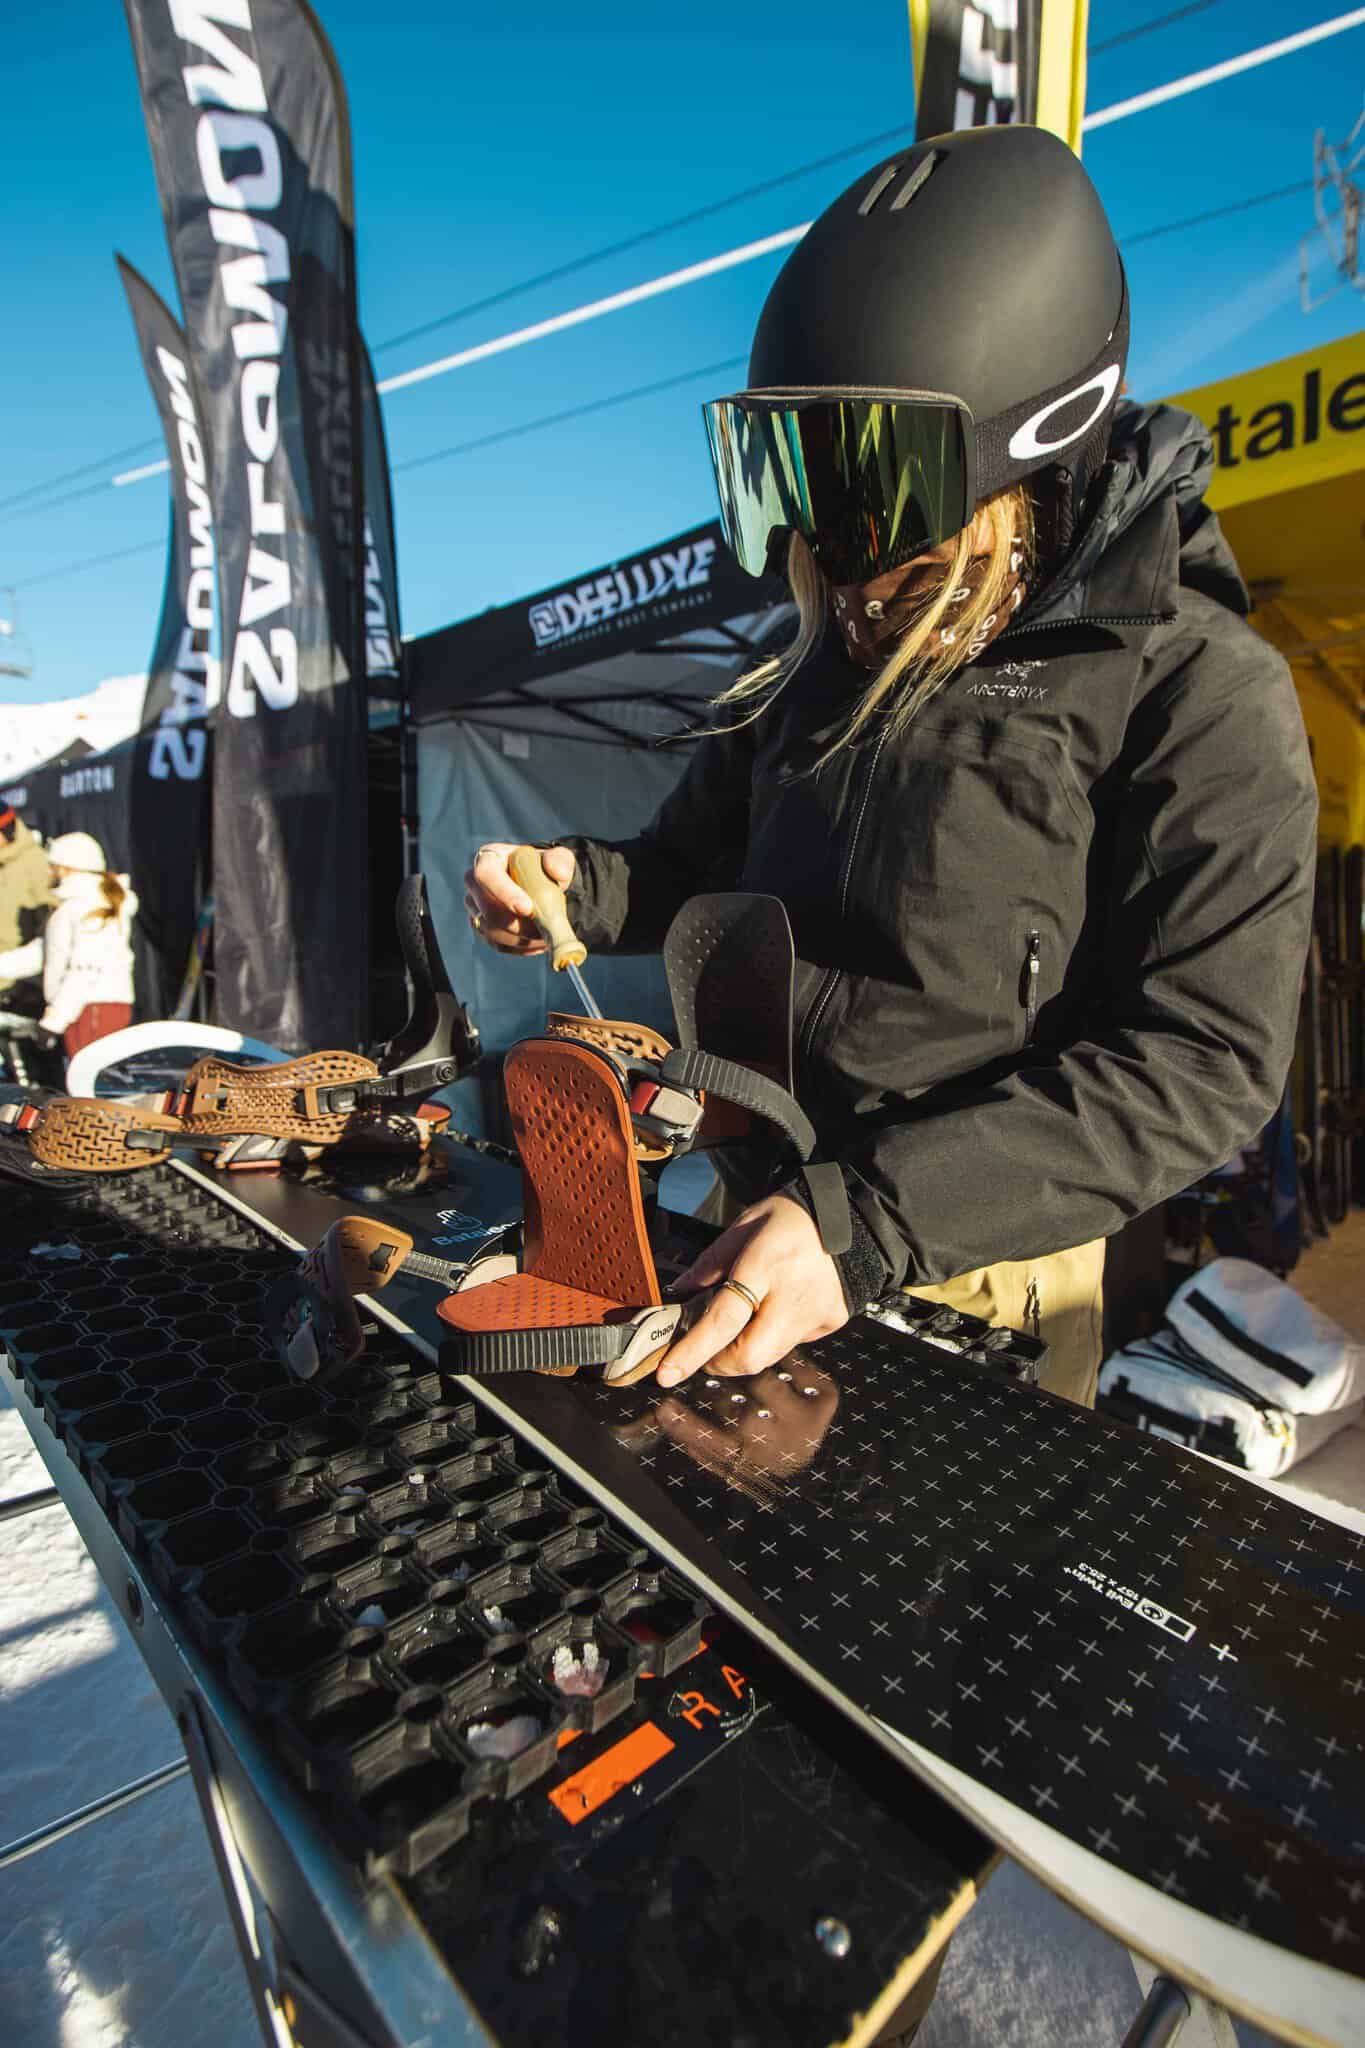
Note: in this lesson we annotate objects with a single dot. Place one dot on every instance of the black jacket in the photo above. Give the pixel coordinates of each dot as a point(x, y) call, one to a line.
point(1120, 789)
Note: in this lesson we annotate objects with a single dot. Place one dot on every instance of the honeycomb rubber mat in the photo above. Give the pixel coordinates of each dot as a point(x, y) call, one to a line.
point(417, 1615)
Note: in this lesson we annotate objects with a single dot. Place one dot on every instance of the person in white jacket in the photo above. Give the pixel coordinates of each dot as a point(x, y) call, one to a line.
point(86, 952)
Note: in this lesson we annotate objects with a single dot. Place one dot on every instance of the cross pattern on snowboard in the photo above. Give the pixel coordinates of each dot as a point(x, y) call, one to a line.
point(1151, 1655)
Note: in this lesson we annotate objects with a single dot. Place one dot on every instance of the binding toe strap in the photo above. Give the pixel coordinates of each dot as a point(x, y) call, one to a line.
point(520, 1323)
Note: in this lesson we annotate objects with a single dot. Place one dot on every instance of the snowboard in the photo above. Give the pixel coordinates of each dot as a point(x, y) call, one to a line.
point(1142, 1674)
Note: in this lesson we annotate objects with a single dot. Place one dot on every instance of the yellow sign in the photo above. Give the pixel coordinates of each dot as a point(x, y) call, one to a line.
point(1061, 69)
point(996, 63)
point(1299, 421)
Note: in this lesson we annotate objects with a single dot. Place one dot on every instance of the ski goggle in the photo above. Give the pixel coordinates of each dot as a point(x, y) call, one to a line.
point(868, 480)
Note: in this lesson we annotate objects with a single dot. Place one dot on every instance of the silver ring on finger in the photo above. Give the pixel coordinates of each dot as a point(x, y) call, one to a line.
point(746, 1294)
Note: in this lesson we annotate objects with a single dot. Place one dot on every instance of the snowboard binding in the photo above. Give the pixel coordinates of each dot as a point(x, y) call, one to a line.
point(252, 1115)
point(588, 1102)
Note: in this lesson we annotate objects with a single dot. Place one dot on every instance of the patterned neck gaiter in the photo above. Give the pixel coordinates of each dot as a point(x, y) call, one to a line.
point(870, 626)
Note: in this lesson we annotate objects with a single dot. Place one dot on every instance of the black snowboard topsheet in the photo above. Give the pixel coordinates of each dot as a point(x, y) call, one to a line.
point(1131, 1643)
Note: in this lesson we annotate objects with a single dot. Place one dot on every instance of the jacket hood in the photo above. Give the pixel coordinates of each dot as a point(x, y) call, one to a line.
point(83, 888)
point(17, 848)
point(1155, 452)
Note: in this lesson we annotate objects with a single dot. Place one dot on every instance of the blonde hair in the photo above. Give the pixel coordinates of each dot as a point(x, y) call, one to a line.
point(916, 669)
point(114, 895)
point(111, 889)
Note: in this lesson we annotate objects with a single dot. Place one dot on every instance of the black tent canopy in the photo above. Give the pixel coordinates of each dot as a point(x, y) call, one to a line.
point(636, 630)
point(521, 717)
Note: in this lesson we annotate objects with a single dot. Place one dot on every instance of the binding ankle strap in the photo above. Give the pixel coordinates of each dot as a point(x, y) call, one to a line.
point(339, 1098)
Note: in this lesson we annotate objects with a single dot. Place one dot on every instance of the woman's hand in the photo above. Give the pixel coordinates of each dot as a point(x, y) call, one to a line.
point(501, 912)
point(774, 1251)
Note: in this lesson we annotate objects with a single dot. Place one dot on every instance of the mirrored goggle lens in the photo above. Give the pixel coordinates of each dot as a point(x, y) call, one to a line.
point(868, 482)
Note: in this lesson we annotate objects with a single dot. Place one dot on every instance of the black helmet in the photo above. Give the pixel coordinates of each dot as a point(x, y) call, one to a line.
point(973, 274)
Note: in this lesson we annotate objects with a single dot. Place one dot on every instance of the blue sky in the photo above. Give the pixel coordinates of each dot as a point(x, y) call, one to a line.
point(492, 144)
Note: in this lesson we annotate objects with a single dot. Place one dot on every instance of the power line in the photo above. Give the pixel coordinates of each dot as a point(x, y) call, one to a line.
point(91, 562)
point(67, 498)
point(562, 270)
point(553, 419)
point(1213, 74)
point(1197, 220)
point(1194, 81)
point(1169, 227)
point(573, 412)
point(1147, 28)
point(597, 309)
point(70, 475)
point(1103, 117)
point(683, 220)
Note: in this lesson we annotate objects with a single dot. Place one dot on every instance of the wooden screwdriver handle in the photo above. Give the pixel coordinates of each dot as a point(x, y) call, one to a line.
point(552, 915)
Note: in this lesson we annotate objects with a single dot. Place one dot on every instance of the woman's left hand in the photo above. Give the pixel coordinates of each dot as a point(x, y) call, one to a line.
point(774, 1251)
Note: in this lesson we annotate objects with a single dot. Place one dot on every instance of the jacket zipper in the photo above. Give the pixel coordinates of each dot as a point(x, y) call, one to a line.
point(1032, 965)
point(820, 1001)
point(1033, 1309)
point(1086, 619)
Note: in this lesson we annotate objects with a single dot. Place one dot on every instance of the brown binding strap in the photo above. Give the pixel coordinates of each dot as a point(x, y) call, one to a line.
point(220, 1100)
point(630, 1043)
point(625, 1041)
point(219, 1106)
point(86, 1134)
point(318, 1323)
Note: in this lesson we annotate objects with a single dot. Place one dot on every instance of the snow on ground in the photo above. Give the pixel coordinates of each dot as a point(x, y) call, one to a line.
point(118, 1937)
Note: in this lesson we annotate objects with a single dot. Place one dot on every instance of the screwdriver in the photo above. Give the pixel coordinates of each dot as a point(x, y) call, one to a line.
point(567, 950)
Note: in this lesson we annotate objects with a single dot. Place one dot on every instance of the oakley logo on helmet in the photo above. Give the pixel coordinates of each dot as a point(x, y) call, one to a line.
point(1027, 442)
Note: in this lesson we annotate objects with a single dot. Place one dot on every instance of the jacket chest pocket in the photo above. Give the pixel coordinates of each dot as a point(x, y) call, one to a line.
point(971, 876)
point(975, 812)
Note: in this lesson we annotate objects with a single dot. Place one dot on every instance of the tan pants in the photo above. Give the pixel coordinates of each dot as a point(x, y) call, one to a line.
point(1058, 1297)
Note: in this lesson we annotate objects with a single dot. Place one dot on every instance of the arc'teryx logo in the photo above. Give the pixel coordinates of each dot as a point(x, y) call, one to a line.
point(1009, 683)
point(670, 572)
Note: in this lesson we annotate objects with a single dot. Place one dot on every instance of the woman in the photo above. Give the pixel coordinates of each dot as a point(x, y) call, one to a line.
point(85, 953)
point(1038, 801)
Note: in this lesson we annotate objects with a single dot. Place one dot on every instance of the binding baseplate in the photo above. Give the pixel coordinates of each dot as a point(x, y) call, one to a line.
point(251, 1115)
point(588, 1102)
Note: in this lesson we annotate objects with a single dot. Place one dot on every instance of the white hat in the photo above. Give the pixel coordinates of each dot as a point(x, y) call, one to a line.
point(78, 850)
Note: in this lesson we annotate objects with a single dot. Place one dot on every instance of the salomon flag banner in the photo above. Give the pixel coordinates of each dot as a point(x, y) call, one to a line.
point(996, 61)
point(169, 783)
point(251, 142)
point(383, 641)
